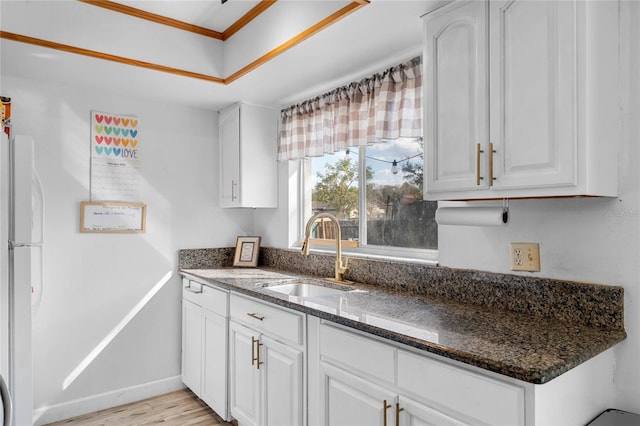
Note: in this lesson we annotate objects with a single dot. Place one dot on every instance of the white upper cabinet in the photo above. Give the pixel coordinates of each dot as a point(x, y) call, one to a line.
point(534, 90)
point(248, 156)
point(456, 98)
point(521, 99)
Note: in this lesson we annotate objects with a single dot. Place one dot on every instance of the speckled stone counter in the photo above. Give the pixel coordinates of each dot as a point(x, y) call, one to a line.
point(531, 329)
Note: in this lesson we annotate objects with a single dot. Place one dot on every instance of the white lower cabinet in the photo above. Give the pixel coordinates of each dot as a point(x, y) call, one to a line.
point(413, 413)
point(214, 362)
point(204, 344)
point(352, 400)
point(365, 381)
point(287, 368)
point(267, 380)
point(459, 395)
point(282, 384)
point(244, 375)
point(191, 345)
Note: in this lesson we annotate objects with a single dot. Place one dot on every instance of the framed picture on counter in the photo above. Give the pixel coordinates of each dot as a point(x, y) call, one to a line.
point(247, 249)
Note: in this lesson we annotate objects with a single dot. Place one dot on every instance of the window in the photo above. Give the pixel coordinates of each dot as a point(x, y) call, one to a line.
point(376, 193)
point(361, 152)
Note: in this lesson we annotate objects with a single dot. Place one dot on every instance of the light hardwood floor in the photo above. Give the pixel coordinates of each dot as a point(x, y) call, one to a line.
point(179, 408)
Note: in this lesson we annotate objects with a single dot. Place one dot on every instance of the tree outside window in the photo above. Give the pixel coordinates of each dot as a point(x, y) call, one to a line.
point(396, 213)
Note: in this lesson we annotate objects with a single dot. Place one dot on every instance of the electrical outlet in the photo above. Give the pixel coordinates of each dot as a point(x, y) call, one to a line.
point(525, 257)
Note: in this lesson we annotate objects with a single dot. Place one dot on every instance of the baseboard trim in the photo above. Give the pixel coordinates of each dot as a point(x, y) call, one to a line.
point(78, 407)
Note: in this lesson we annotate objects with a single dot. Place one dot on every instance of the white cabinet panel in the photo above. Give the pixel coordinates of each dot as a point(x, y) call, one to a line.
point(191, 345)
point(349, 400)
point(267, 370)
point(282, 386)
point(358, 353)
point(533, 93)
point(204, 344)
point(214, 363)
point(418, 390)
point(229, 128)
point(456, 98)
point(412, 413)
point(471, 396)
point(264, 317)
point(248, 156)
point(244, 377)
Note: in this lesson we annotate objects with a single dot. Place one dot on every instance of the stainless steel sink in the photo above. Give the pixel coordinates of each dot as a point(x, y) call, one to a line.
point(305, 290)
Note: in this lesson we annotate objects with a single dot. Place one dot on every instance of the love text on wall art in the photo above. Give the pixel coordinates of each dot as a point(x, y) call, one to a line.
point(115, 157)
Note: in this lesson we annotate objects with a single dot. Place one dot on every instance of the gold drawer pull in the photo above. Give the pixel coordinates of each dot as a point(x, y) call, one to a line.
point(478, 152)
point(385, 407)
point(256, 316)
point(254, 358)
point(398, 409)
point(491, 152)
point(259, 363)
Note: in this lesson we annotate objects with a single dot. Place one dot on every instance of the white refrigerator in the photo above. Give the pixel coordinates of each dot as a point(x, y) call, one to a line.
point(21, 253)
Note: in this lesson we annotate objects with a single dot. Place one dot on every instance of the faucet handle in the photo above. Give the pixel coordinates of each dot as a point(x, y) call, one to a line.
point(345, 264)
point(305, 247)
point(341, 267)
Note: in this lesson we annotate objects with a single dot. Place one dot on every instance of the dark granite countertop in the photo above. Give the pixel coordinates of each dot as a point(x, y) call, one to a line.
point(531, 348)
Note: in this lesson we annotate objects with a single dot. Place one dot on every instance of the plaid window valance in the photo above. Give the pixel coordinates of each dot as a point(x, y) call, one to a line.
point(385, 106)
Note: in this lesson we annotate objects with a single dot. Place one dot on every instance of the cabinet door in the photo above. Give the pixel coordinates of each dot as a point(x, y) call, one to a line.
point(456, 101)
point(533, 93)
point(244, 377)
point(214, 363)
point(412, 413)
point(258, 156)
point(191, 345)
point(229, 163)
point(282, 384)
point(347, 400)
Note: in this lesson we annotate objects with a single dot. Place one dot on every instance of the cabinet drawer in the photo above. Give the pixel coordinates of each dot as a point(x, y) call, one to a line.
point(460, 392)
point(366, 355)
point(269, 319)
point(209, 298)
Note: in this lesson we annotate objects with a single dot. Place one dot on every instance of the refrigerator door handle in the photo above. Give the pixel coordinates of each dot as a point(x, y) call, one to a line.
point(13, 244)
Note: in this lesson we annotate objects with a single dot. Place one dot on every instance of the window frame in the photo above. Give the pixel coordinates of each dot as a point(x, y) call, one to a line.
point(363, 250)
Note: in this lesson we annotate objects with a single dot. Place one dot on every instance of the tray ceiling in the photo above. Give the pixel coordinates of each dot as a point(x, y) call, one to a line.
point(238, 43)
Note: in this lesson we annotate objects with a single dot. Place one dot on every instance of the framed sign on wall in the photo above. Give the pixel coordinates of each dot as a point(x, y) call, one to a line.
point(114, 217)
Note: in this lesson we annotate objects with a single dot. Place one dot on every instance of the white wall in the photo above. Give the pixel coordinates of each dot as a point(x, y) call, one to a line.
point(593, 240)
point(92, 281)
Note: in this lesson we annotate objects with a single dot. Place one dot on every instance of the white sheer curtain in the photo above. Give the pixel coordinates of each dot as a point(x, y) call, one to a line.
point(382, 107)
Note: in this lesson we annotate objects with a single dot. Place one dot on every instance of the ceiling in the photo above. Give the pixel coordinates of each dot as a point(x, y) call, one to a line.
point(212, 14)
point(204, 53)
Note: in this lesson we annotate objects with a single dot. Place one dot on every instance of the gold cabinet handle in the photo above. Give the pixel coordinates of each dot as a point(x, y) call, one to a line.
point(491, 152)
point(258, 346)
point(478, 152)
point(253, 350)
point(385, 407)
point(256, 316)
point(398, 409)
